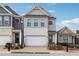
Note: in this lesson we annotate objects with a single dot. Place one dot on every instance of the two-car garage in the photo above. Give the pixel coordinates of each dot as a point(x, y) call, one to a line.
point(35, 41)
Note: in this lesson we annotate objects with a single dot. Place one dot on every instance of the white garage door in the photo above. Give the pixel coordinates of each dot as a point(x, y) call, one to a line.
point(4, 39)
point(36, 41)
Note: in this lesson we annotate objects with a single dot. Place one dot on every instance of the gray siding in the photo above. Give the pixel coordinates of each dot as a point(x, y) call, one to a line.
point(16, 23)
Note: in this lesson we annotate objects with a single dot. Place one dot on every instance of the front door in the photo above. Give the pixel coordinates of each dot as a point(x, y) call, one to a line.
point(16, 37)
point(65, 39)
point(50, 40)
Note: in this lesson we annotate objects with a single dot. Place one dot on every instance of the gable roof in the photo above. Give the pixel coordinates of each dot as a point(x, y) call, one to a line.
point(6, 9)
point(2, 10)
point(38, 10)
point(11, 10)
point(66, 30)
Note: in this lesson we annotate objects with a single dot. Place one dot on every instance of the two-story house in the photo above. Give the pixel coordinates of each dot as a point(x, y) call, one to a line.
point(10, 25)
point(39, 27)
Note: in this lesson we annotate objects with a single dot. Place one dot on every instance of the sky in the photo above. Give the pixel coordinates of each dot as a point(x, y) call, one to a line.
point(67, 14)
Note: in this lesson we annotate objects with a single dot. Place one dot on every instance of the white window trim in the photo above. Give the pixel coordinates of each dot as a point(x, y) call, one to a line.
point(6, 20)
point(65, 38)
point(29, 22)
point(41, 25)
point(1, 20)
point(35, 22)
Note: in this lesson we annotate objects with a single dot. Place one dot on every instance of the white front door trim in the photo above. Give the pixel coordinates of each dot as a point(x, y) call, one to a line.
point(20, 34)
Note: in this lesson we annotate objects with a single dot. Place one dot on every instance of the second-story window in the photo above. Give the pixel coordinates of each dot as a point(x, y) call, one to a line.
point(0, 20)
point(28, 24)
point(35, 24)
point(42, 24)
point(17, 20)
point(50, 22)
point(6, 20)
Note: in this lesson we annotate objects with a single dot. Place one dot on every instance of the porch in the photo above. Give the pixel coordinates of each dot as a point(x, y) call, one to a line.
point(65, 36)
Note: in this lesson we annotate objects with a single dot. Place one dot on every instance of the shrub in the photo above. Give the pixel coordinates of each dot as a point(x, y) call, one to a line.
point(77, 46)
point(59, 47)
point(22, 45)
point(17, 46)
point(50, 46)
point(71, 46)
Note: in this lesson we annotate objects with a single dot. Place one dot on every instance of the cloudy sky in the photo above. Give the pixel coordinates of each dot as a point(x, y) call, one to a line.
point(66, 14)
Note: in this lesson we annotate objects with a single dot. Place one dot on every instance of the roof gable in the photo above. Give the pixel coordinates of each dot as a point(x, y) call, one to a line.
point(5, 9)
point(2, 10)
point(11, 10)
point(65, 30)
point(38, 10)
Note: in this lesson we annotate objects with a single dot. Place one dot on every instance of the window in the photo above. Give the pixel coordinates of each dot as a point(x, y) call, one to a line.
point(77, 36)
point(28, 24)
point(77, 31)
point(17, 20)
point(0, 20)
point(6, 20)
point(42, 24)
point(50, 38)
point(50, 23)
point(35, 24)
point(65, 39)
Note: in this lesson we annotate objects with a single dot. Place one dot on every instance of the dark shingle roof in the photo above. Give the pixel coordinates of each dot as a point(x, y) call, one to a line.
point(2, 10)
point(12, 11)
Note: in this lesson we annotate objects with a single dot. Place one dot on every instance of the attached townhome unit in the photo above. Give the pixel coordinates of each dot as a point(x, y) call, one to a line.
point(65, 36)
point(10, 25)
point(39, 27)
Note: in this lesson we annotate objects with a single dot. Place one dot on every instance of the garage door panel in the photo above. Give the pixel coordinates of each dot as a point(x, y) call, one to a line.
point(4, 39)
point(36, 41)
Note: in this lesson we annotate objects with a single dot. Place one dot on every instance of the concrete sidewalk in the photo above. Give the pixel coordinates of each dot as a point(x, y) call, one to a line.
point(43, 50)
point(3, 50)
point(38, 50)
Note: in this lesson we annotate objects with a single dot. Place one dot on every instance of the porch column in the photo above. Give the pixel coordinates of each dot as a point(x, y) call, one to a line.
point(55, 38)
point(13, 38)
point(73, 39)
point(20, 37)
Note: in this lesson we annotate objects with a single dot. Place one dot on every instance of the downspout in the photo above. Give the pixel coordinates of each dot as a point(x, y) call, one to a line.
point(22, 30)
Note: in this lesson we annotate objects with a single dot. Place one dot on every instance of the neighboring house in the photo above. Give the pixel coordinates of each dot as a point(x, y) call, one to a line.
point(39, 27)
point(10, 25)
point(77, 37)
point(65, 36)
